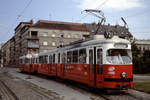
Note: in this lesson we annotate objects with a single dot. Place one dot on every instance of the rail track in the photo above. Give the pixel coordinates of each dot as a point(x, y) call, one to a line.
point(100, 94)
point(6, 93)
point(97, 94)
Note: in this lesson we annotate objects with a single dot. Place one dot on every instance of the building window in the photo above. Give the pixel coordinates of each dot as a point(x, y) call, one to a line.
point(53, 35)
point(45, 34)
point(45, 43)
point(33, 33)
point(53, 43)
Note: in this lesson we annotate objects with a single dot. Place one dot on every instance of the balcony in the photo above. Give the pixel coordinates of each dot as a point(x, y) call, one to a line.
point(33, 44)
point(33, 38)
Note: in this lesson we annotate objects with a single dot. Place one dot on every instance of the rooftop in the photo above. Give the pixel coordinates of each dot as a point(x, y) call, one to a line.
point(60, 25)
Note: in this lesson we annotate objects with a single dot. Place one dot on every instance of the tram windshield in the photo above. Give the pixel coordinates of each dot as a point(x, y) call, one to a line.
point(119, 56)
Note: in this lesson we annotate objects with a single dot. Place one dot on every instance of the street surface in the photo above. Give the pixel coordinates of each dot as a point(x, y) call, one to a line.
point(21, 86)
point(139, 77)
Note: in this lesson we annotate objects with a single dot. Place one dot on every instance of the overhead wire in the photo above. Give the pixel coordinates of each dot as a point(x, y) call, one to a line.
point(19, 15)
point(101, 5)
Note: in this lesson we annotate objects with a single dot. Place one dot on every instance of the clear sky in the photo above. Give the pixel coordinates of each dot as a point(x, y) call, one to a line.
point(135, 12)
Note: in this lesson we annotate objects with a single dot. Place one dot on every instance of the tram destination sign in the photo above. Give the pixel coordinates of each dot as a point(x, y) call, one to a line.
point(121, 45)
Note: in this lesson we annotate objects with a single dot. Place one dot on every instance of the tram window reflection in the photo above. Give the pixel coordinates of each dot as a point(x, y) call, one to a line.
point(82, 56)
point(69, 56)
point(99, 61)
point(59, 58)
point(75, 56)
point(119, 56)
point(53, 58)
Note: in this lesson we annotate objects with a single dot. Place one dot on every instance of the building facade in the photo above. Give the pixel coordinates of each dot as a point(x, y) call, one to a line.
point(0, 57)
point(143, 45)
point(30, 38)
point(5, 49)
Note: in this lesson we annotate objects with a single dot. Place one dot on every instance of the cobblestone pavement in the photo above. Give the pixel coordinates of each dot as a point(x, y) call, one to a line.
point(23, 89)
point(41, 88)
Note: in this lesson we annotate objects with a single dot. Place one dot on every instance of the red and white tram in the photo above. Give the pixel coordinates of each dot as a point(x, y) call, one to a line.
point(99, 62)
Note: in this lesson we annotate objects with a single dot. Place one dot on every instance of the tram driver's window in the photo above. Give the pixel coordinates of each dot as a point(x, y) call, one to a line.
point(69, 56)
point(99, 61)
point(82, 56)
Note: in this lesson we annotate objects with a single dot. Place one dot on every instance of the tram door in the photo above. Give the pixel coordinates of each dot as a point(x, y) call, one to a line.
point(98, 66)
point(91, 66)
point(50, 62)
point(63, 63)
point(95, 66)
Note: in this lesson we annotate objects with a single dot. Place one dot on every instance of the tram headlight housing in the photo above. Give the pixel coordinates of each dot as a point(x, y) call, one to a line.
point(123, 74)
point(110, 69)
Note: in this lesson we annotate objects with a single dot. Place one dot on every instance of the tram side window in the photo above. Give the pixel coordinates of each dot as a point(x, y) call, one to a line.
point(69, 56)
point(50, 59)
point(21, 61)
point(63, 58)
point(91, 61)
point(41, 59)
point(35, 61)
point(82, 56)
point(53, 58)
point(46, 59)
point(27, 61)
point(59, 58)
point(75, 56)
point(99, 61)
point(32, 60)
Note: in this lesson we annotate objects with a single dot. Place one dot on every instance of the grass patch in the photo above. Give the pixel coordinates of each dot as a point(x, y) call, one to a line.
point(143, 86)
point(143, 74)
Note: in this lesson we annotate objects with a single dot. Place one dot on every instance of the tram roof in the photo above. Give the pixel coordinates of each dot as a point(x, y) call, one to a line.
point(115, 39)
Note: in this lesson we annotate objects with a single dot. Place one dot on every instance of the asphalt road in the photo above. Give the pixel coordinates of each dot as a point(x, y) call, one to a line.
point(140, 77)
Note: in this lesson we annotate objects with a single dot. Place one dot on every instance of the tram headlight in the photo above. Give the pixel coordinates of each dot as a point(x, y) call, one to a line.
point(111, 69)
point(123, 74)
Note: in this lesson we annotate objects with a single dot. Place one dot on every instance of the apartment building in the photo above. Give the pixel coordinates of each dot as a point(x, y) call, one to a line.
point(30, 38)
point(5, 49)
point(44, 35)
point(143, 45)
point(0, 57)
